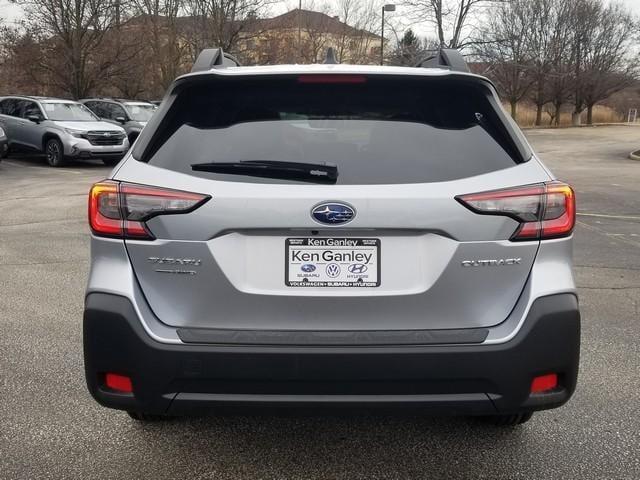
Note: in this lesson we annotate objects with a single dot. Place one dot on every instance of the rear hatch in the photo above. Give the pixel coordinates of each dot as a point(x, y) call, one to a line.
point(386, 246)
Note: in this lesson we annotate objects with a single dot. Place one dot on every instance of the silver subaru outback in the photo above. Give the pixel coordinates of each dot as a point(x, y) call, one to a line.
point(331, 235)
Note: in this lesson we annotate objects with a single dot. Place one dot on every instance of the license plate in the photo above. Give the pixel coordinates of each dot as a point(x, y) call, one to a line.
point(332, 262)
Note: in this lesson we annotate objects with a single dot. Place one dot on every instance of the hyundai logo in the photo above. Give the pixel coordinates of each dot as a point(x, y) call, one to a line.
point(308, 267)
point(333, 213)
point(358, 268)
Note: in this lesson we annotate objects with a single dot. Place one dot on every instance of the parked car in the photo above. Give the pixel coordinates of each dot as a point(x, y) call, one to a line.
point(61, 129)
point(332, 235)
point(130, 114)
point(4, 144)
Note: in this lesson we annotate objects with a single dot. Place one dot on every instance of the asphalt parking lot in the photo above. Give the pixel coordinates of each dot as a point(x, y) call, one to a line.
point(51, 428)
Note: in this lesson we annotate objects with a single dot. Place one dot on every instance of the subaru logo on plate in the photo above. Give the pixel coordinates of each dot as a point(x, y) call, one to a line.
point(308, 267)
point(357, 268)
point(333, 213)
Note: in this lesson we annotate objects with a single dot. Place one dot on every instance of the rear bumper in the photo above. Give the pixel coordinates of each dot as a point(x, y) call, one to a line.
point(447, 379)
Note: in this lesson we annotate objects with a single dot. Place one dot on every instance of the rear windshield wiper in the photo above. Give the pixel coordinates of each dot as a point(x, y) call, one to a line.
point(303, 172)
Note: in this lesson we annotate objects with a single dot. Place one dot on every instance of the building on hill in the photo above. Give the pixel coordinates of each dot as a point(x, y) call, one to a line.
point(303, 36)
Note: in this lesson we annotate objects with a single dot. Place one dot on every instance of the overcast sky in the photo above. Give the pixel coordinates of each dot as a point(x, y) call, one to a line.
point(10, 12)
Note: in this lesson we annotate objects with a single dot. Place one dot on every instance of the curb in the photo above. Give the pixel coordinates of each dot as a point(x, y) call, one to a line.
point(584, 125)
point(635, 155)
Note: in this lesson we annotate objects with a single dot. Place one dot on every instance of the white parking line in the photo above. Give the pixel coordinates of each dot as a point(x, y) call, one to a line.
point(41, 167)
point(602, 215)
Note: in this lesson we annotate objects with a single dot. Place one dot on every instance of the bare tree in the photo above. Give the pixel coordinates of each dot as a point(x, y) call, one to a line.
point(221, 23)
point(70, 33)
point(19, 59)
point(606, 56)
point(157, 25)
point(453, 20)
point(549, 44)
point(505, 47)
point(354, 42)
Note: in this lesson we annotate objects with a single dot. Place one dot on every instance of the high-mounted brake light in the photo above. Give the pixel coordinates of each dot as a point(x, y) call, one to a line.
point(324, 78)
point(118, 209)
point(546, 210)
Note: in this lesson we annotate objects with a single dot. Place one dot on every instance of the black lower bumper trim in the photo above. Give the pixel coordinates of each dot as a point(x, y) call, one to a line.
point(471, 378)
point(335, 337)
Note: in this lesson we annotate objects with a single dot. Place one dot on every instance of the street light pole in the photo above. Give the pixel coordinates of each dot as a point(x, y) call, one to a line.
point(390, 7)
point(299, 31)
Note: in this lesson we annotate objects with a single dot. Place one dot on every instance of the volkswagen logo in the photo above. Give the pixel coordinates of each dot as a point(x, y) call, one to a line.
point(358, 268)
point(333, 270)
point(331, 213)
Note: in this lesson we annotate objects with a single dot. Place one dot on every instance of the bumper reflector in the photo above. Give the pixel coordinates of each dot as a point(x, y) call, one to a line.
point(544, 383)
point(119, 383)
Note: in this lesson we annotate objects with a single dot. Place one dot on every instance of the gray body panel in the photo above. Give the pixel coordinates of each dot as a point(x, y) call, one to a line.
point(238, 238)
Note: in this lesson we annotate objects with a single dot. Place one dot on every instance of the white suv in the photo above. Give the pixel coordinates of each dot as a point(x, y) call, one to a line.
point(61, 129)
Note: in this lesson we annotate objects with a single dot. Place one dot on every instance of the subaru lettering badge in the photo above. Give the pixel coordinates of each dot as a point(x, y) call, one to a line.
point(333, 213)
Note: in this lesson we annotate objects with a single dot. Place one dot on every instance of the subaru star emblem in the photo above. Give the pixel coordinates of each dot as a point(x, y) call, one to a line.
point(308, 267)
point(106, 134)
point(333, 213)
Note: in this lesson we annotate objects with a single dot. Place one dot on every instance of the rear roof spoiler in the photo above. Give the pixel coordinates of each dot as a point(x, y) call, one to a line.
point(214, 58)
point(445, 58)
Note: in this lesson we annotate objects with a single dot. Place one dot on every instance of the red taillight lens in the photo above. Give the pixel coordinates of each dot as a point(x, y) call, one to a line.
point(119, 209)
point(104, 209)
point(544, 383)
point(544, 211)
point(119, 383)
point(324, 78)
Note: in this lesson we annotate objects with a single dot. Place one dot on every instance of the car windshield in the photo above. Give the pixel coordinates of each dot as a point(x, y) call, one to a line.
point(140, 113)
point(68, 112)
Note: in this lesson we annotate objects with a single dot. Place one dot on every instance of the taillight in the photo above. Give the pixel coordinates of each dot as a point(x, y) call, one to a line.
point(118, 209)
point(546, 210)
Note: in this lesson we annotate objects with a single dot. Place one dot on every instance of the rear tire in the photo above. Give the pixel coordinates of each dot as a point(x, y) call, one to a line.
point(111, 162)
point(510, 420)
point(55, 152)
point(147, 417)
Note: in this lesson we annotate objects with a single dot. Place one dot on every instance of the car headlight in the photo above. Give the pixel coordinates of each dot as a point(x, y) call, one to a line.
point(76, 133)
point(2, 134)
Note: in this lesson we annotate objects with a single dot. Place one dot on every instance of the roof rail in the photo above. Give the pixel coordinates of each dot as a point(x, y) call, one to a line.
point(445, 58)
point(214, 58)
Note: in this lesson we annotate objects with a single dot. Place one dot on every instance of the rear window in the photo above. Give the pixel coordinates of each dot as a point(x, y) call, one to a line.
point(375, 131)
